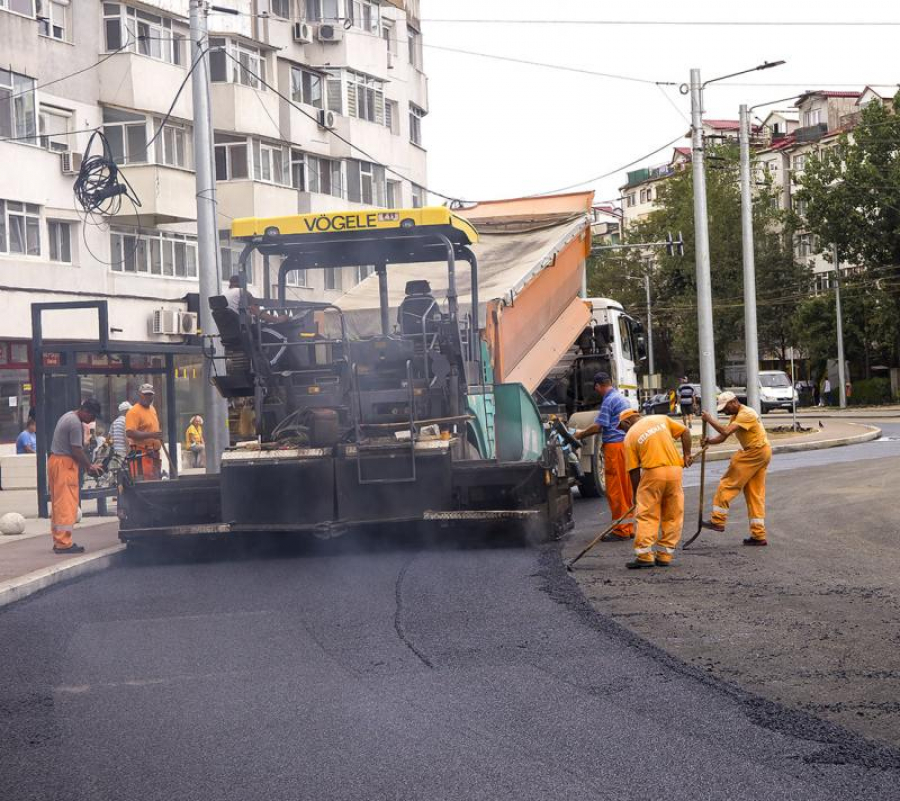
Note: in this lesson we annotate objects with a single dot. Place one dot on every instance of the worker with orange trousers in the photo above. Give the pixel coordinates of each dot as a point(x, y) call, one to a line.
point(618, 487)
point(747, 470)
point(144, 436)
point(67, 455)
point(655, 468)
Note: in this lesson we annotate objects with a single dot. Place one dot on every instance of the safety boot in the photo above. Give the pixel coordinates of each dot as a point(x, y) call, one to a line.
point(757, 543)
point(639, 564)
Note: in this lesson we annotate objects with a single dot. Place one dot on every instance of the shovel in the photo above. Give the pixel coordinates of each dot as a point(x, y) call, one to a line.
point(599, 537)
point(702, 483)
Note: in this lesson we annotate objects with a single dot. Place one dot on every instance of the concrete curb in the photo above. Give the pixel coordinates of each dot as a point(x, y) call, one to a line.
point(18, 588)
point(816, 445)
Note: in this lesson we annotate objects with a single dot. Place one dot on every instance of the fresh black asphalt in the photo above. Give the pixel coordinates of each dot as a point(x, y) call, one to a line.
point(397, 672)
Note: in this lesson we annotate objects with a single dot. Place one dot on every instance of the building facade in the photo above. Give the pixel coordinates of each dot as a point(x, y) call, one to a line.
point(317, 105)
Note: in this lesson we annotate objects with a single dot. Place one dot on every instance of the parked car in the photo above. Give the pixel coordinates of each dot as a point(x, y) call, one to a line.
point(656, 404)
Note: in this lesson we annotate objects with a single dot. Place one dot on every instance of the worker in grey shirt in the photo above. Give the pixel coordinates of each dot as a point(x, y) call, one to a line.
point(67, 455)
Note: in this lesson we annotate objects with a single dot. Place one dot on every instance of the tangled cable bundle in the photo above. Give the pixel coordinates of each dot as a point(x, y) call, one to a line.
point(100, 186)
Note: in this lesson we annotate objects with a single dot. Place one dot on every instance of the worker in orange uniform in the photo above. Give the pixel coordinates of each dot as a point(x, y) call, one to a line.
point(747, 470)
point(655, 470)
point(144, 436)
point(67, 455)
point(618, 486)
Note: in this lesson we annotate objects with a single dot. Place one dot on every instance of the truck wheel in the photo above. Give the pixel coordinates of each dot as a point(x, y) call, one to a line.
point(593, 485)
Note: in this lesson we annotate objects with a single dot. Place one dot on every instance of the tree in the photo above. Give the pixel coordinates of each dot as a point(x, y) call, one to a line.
point(851, 192)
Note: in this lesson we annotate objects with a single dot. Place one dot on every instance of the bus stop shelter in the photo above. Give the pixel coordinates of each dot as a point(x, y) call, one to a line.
point(60, 365)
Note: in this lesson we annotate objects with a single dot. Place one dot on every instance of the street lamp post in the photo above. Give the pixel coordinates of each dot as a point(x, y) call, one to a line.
point(842, 378)
point(751, 339)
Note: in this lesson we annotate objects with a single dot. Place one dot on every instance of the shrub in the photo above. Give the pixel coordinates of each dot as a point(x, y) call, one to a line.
point(870, 392)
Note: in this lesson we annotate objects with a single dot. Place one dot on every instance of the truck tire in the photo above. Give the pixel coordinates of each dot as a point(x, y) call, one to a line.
point(593, 485)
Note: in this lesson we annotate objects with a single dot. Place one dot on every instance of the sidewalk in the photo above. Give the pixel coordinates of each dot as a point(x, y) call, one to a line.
point(27, 561)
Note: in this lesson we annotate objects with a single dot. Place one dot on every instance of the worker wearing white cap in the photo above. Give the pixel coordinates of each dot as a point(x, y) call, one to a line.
point(747, 470)
point(144, 436)
point(117, 431)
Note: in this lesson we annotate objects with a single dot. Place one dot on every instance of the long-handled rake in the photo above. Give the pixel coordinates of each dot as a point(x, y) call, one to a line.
point(600, 537)
point(702, 485)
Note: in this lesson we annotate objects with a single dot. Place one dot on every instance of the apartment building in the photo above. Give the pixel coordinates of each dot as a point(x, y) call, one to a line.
point(351, 137)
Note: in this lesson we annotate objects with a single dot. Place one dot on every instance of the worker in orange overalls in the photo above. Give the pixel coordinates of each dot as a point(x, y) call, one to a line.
point(67, 455)
point(747, 470)
point(144, 436)
point(655, 470)
point(618, 487)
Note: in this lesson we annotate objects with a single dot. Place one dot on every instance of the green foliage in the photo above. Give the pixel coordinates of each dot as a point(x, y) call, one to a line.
point(870, 392)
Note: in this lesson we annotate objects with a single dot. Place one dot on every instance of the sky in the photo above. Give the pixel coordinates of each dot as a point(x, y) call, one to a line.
point(498, 129)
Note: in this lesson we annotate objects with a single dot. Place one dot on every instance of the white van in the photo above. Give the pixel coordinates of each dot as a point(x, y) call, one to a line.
point(776, 391)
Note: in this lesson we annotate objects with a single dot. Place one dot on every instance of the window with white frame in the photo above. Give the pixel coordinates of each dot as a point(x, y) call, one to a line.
point(812, 117)
point(414, 46)
point(281, 8)
point(307, 87)
point(296, 278)
point(161, 253)
point(25, 7)
point(230, 256)
point(798, 163)
point(360, 274)
point(142, 32)
point(298, 170)
point(806, 246)
point(248, 69)
point(333, 278)
point(126, 133)
point(323, 10)
point(53, 19)
point(231, 157)
point(387, 33)
point(59, 234)
point(631, 199)
point(173, 144)
point(415, 124)
point(20, 228)
point(53, 128)
point(801, 207)
point(271, 163)
point(392, 116)
point(365, 182)
point(364, 14)
point(365, 97)
point(418, 196)
point(324, 176)
point(392, 195)
point(18, 118)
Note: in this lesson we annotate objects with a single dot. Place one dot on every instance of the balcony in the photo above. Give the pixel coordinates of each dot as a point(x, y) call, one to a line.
point(167, 195)
point(245, 110)
point(811, 132)
point(138, 82)
point(255, 199)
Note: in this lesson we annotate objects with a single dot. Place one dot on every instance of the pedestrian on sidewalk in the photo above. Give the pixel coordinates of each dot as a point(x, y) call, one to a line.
point(655, 469)
point(67, 455)
point(826, 391)
point(618, 486)
point(194, 444)
point(117, 431)
point(747, 471)
point(26, 442)
point(687, 397)
point(144, 437)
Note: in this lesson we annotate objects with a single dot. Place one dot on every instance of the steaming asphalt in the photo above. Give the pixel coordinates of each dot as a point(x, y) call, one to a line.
point(405, 672)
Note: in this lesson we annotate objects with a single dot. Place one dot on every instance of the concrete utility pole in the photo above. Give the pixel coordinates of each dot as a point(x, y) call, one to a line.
point(751, 338)
point(705, 335)
point(652, 364)
point(215, 408)
point(842, 378)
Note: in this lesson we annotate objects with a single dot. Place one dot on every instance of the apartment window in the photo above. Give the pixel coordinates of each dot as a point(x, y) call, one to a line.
point(365, 182)
point(163, 254)
point(798, 163)
point(333, 278)
point(631, 200)
point(392, 116)
point(53, 128)
point(25, 7)
point(53, 19)
point(250, 63)
point(323, 176)
point(322, 10)
point(364, 14)
point(126, 133)
point(418, 196)
point(806, 246)
point(18, 119)
point(230, 256)
point(297, 278)
point(271, 163)
point(360, 274)
point(281, 8)
point(59, 232)
point(414, 46)
point(298, 170)
point(307, 87)
point(801, 207)
point(392, 195)
point(20, 228)
point(144, 33)
point(812, 117)
point(173, 144)
point(387, 33)
point(365, 97)
point(415, 124)
point(231, 157)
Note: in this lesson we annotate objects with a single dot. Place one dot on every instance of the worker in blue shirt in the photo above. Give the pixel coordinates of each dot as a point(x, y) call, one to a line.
point(618, 483)
point(26, 442)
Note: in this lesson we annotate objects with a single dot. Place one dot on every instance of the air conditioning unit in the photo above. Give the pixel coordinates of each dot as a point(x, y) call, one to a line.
point(165, 321)
point(187, 323)
point(70, 163)
point(391, 60)
point(327, 118)
point(330, 33)
point(303, 32)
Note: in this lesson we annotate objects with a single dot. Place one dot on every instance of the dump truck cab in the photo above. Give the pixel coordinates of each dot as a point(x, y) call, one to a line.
point(344, 430)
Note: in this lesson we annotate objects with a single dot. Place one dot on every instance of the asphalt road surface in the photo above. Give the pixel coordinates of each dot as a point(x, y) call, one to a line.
point(399, 673)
